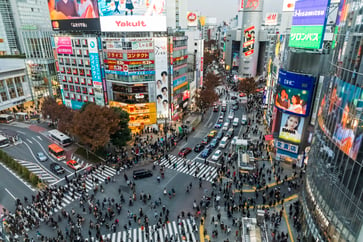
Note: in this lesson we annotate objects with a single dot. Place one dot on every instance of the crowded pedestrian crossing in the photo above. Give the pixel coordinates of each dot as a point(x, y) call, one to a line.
point(193, 168)
point(92, 180)
point(182, 230)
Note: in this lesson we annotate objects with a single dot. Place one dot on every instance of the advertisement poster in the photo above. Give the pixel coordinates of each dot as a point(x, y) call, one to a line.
point(271, 19)
point(74, 15)
point(294, 92)
point(249, 41)
point(291, 128)
point(130, 15)
point(161, 77)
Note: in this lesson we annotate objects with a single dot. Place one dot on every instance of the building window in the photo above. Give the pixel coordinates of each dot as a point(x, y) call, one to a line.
point(80, 62)
point(70, 80)
point(81, 72)
point(91, 91)
point(89, 73)
point(65, 87)
point(71, 88)
point(84, 90)
point(76, 80)
point(78, 89)
point(90, 82)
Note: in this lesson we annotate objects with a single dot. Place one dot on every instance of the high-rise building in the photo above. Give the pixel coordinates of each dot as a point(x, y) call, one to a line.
point(176, 13)
point(332, 196)
point(25, 30)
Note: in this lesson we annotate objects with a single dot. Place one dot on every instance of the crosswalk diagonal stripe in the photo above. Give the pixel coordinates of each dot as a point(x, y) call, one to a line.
point(119, 234)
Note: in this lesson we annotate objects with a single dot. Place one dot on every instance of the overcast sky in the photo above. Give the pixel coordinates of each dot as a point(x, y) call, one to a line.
point(227, 9)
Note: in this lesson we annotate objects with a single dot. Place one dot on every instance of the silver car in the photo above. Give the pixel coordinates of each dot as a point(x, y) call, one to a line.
point(41, 156)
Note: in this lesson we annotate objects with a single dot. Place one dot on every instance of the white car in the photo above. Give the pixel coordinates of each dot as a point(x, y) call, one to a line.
point(217, 155)
point(231, 115)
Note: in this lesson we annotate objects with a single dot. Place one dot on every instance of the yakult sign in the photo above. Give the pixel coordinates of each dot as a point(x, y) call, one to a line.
point(133, 23)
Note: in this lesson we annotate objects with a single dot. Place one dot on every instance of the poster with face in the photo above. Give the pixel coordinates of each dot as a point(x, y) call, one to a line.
point(161, 77)
point(291, 128)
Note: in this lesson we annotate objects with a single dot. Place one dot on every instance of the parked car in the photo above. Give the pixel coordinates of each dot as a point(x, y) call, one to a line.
point(205, 140)
point(205, 153)
point(56, 168)
point(41, 156)
point(217, 155)
point(74, 165)
point(214, 143)
point(184, 152)
point(198, 147)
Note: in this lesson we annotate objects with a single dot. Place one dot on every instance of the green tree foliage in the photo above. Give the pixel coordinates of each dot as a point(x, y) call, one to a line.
point(121, 136)
point(94, 125)
point(247, 86)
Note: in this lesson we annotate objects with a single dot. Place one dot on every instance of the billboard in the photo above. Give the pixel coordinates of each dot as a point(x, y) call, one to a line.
point(291, 128)
point(63, 45)
point(192, 19)
point(294, 92)
point(161, 77)
point(271, 19)
point(129, 15)
point(341, 119)
point(139, 114)
point(236, 45)
point(73, 15)
point(288, 5)
point(249, 41)
point(308, 24)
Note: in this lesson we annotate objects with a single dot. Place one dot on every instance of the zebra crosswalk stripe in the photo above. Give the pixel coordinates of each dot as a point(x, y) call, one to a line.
point(206, 172)
point(162, 234)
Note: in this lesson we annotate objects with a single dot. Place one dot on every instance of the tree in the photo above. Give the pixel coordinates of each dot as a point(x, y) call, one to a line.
point(205, 97)
point(211, 81)
point(65, 122)
point(50, 109)
point(208, 59)
point(94, 125)
point(247, 86)
point(121, 136)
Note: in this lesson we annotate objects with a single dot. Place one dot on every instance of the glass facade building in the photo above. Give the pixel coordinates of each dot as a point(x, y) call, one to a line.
point(332, 198)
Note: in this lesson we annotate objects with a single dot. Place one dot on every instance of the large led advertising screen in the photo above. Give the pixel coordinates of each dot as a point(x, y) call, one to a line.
point(342, 121)
point(308, 24)
point(130, 15)
point(74, 15)
point(294, 92)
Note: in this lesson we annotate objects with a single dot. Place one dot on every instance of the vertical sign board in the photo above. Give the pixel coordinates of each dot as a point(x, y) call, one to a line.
point(161, 77)
point(308, 24)
point(95, 70)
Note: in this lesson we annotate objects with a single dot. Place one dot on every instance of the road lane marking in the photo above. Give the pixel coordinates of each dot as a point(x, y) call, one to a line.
point(29, 141)
point(10, 194)
point(39, 138)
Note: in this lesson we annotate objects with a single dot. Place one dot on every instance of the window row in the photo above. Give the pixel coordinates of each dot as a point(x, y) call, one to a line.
point(80, 98)
point(75, 71)
point(77, 52)
point(78, 89)
point(74, 62)
point(77, 80)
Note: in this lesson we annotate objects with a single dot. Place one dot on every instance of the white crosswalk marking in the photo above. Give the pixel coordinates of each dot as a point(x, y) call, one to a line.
point(161, 234)
point(39, 171)
point(206, 172)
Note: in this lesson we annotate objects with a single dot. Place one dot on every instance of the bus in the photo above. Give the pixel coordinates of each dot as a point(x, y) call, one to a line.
point(59, 137)
point(4, 142)
point(57, 152)
point(6, 118)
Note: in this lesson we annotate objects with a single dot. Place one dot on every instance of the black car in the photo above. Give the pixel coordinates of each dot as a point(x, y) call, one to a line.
point(141, 173)
point(56, 168)
point(198, 147)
